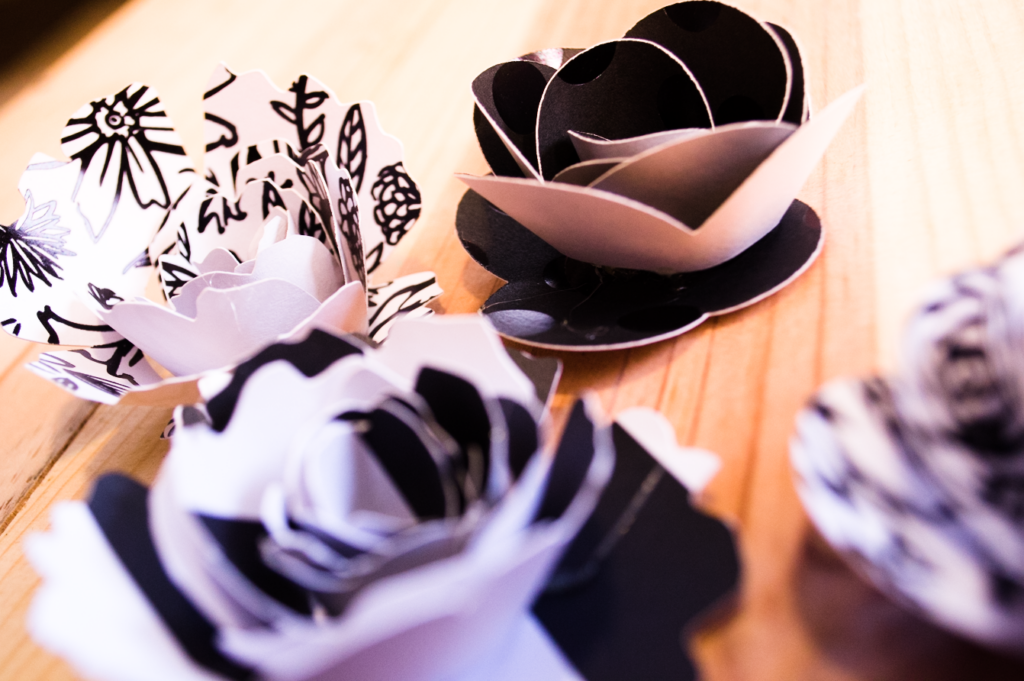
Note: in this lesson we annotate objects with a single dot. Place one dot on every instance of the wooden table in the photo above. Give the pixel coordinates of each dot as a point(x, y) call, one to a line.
point(927, 177)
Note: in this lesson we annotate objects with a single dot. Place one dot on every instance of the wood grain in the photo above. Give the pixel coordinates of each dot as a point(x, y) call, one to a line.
point(924, 179)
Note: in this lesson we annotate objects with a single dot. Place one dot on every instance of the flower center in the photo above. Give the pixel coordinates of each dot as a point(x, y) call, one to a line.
point(114, 120)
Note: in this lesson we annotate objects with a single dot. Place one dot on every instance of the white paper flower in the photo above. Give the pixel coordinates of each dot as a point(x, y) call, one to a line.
point(920, 477)
point(334, 512)
point(302, 199)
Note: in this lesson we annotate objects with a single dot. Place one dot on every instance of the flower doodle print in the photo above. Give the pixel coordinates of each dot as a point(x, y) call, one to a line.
point(115, 139)
point(28, 251)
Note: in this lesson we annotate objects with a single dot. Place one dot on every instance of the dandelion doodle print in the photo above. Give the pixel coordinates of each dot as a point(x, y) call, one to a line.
point(115, 140)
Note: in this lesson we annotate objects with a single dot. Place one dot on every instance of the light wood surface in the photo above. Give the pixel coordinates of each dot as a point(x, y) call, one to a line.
point(927, 177)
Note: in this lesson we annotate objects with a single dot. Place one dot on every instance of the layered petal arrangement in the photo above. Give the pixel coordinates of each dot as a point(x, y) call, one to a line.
point(337, 512)
point(918, 477)
point(675, 151)
point(303, 197)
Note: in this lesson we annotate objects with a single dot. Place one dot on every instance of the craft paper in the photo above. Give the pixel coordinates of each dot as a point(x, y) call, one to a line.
point(916, 477)
point(340, 512)
point(673, 150)
point(628, 589)
point(301, 200)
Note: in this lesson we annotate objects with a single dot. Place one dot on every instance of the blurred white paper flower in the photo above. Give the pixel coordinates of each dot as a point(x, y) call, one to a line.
point(334, 512)
point(919, 477)
point(303, 197)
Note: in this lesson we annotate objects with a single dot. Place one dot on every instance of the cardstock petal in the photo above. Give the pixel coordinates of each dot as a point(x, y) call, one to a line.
point(94, 614)
point(230, 325)
point(588, 224)
point(740, 63)
point(616, 89)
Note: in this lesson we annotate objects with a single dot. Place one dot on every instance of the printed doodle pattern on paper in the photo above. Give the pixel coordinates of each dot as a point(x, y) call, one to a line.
point(311, 133)
point(405, 296)
point(352, 146)
point(398, 202)
point(116, 139)
point(29, 251)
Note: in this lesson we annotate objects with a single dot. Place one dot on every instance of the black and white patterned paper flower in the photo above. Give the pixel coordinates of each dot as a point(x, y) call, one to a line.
point(90, 220)
point(278, 237)
point(920, 476)
point(648, 182)
point(334, 512)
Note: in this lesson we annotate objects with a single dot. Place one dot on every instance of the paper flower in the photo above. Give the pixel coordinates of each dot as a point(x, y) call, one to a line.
point(679, 148)
point(919, 478)
point(339, 512)
point(302, 198)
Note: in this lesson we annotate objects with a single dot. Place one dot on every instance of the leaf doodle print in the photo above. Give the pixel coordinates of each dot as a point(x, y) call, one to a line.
point(398, 202)
point(304, 101)
point(28, 251)
point(115, 140)
point(352, 146)
point(348, 218)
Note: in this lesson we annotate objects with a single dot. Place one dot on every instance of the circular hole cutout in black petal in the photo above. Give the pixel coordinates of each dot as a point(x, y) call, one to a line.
point(475, 252)
point(694, 16)
point(739, 108)
point(517, 89)
point(679, 103)
point(589, 65)
point(660, 319)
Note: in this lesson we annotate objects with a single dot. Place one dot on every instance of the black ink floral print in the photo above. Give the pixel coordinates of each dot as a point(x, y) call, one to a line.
point(352, 146)
point(115, 143)
point(398, 202)
point(28, 251)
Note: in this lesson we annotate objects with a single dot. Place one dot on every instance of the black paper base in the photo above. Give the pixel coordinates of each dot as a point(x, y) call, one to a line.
point(629, 586)
point(553, 301)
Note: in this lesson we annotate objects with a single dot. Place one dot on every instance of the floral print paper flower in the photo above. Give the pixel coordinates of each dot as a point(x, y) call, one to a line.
point(675, 150)
point(277, 237)
point(919, 477)
point(334, 512)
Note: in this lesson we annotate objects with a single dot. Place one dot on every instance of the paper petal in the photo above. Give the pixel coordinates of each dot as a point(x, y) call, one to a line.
point(586, 224)
point(309, 113)
point(230, 325)
point(691, 466)
point(743, 68)
point(617, 89)
point(405, 296)
point(690, 178)
point(465, 346)
point(101, 374)
point(94, 615)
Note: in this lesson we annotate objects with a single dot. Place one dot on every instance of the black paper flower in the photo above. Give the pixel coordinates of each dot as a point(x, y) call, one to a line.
point(919, 477)
point(649, 181)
